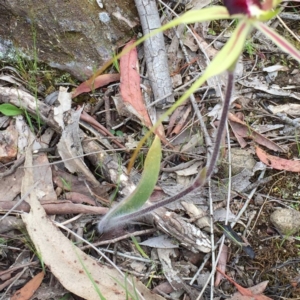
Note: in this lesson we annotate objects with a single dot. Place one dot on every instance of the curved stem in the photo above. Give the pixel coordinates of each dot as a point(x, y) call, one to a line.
point(200, 181)
point(202, 176)
point(222, 125)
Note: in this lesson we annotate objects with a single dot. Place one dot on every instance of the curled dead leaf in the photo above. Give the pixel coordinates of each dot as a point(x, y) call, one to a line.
point(99, 81)
point(27, 291)
point(241, 129)
point(276, 162)
point(130, 85)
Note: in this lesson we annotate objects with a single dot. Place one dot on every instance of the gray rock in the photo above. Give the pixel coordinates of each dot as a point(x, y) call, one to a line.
point(241, 159)
point(69, 35)
point(286, 221)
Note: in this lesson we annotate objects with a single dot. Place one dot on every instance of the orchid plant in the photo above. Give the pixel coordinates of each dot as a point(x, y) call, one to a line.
point(251, 14)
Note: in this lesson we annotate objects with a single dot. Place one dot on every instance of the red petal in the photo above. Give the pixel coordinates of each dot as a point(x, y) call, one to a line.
point(241, 6)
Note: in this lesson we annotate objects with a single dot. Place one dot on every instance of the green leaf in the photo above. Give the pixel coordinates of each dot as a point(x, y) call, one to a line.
point(268, 15)
point(201, 178)
point(139, 248)
point(143, 190)
point(200, 15)
point(8, 109)
point(281, 42)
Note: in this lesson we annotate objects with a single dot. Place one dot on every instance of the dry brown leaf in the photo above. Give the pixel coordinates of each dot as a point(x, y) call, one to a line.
point(259, 288)
point(44, 175)
point(289, 108)
point(254, 293)
point(197, 213)
point(239, 138)
point(273, 89)
point(65, 260)
point(221, 264)
point(65, 102)
point(103, 130)
point(278, 163)
point(130, 85)
point(99, 81)
point(257, 291)
point(10, 186)
point(175, 117)
point(8, 146)
point(182, 120)
point(70, 149)
point(243, 130)
point(27, 291)
point(164, 287)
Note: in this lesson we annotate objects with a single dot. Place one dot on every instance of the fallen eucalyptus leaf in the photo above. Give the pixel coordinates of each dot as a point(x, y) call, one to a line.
point(67, 262)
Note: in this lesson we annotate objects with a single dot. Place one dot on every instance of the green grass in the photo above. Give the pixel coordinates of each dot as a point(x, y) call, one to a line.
point(28, 242)
point(139, 248)
point(124, 286)
point(66, 297)
point(66, 185)
point(115, 62)
point(90, 277)
point(3, 241)
point(285, 238)
point(298, 144)
point(250, 48)
point(28, 70)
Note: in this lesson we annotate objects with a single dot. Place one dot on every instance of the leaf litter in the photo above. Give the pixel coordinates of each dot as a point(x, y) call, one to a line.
point(69, 264)
point(181, 221)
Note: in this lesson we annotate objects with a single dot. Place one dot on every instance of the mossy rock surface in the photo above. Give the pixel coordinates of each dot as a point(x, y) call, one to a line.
point(69, 35)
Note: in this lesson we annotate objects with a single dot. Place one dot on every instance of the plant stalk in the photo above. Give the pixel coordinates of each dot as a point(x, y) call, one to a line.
point(203, 175)
point(222, 125)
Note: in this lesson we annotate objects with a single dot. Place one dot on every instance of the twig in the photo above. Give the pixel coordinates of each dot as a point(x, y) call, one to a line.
point(53, 207)
point(14, 168)
point(155, 53)
point(120, 238)
point(30, 104)
point(214, 266)
point(142, 259)
point(288, 29)
point(107, 111)
point(17, 203)
point(15, 279)
point(287, 120)
point(249, 198)
point(205, 259)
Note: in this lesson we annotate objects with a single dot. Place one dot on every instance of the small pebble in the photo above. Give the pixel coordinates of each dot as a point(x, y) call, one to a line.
point(286, 221)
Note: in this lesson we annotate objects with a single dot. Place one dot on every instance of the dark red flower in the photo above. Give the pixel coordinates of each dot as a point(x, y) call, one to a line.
point(245, 7)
